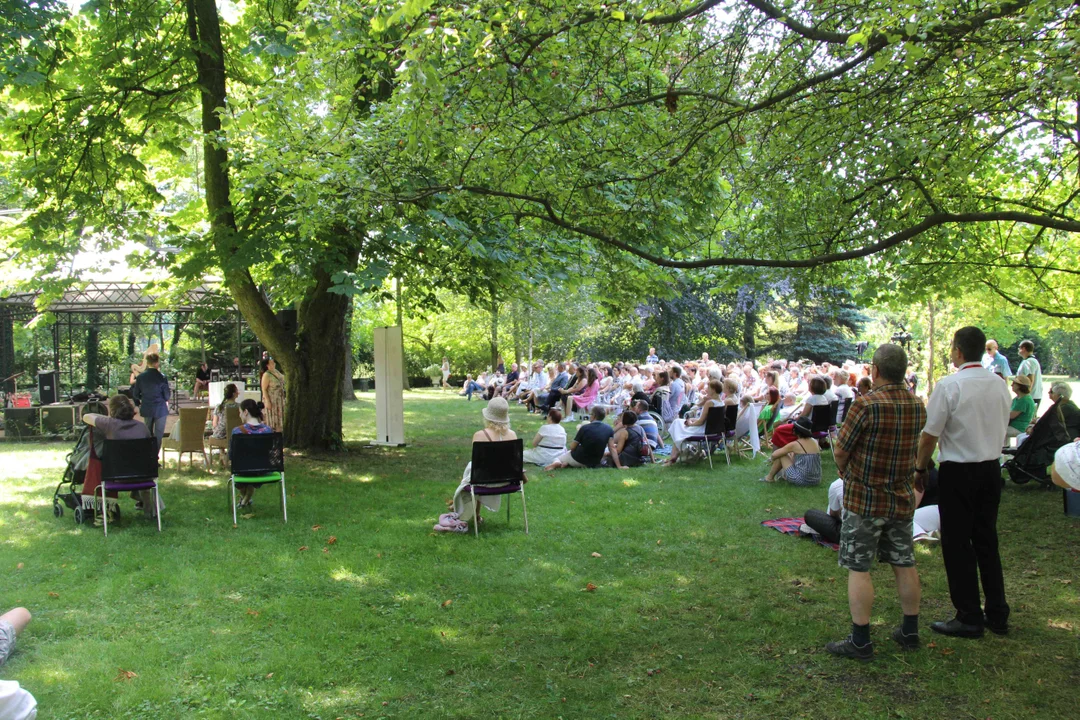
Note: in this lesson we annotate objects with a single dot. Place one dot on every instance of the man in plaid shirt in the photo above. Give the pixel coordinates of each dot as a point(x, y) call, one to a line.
point(875, 455)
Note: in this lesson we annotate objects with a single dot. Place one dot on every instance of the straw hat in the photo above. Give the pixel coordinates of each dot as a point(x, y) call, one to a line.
point(1023, 381)
point(497, 411)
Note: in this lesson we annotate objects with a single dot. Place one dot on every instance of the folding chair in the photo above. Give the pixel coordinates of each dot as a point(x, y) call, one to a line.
point(257, 460)
point(823, 422)
point(497, 469)
point(129, 465)
point(192, 429)
point(232, 421)
point(716, 424)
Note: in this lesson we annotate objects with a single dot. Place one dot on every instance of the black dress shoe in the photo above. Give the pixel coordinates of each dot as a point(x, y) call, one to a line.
point(998, 629)
point(955, 628)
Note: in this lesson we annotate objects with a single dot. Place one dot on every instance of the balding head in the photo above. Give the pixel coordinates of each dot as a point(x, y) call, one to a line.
point(891, 363)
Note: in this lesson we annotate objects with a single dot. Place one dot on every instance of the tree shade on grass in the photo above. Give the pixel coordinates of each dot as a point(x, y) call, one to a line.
point(698, 611)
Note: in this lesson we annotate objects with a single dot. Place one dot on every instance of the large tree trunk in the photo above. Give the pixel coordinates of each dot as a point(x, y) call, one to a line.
point(749, 330)
point(311, 358)
point(399, 309)
point(347, 391)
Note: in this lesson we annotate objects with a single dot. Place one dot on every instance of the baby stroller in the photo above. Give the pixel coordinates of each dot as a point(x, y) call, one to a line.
point(1036, 453)
point(68, 492)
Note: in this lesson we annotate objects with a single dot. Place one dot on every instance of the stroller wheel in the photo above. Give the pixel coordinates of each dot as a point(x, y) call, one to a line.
point(57, 511)
point(81, 516)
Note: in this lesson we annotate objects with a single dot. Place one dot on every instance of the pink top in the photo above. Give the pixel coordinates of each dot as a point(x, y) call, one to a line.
point(588, 395)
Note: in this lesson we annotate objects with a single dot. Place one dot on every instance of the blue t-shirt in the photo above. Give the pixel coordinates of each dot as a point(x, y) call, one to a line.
point(997, 364)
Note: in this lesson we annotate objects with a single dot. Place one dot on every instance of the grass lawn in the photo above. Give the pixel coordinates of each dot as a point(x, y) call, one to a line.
point(698, 611)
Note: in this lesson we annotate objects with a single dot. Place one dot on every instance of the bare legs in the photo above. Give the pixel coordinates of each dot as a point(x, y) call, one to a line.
point(18, 618)
point(861, 593)
point(778, 466)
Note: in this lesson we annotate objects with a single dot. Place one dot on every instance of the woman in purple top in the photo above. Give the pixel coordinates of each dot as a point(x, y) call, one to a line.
point(251, 423)
point(119, 424)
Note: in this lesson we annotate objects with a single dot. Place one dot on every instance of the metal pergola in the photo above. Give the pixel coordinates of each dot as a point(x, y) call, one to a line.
point(108, 300)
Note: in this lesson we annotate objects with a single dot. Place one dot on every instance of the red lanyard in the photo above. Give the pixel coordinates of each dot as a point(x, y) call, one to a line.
point(965, 366)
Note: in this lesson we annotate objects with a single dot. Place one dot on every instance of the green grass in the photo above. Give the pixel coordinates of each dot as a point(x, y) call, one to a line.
point(698, 612)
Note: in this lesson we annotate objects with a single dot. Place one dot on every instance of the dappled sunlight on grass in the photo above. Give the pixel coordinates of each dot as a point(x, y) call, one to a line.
point(348, 577)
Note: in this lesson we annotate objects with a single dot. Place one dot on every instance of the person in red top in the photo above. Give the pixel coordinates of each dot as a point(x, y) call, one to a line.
point(875, 455)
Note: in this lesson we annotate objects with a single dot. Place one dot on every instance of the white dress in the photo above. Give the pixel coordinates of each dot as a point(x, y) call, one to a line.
point(680, 431)
point(552, 445)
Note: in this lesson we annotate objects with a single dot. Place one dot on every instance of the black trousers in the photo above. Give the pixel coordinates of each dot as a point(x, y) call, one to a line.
point(826, 525)
point(968, 498)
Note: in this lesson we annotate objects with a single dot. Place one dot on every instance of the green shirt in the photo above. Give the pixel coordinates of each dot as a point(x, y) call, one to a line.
point(1026, 406)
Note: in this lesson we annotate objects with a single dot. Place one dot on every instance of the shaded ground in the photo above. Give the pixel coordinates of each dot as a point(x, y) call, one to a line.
point(698, 611)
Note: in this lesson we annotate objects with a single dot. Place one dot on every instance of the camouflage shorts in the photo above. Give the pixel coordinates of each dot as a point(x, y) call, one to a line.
point(7, 640)
point(863, 537)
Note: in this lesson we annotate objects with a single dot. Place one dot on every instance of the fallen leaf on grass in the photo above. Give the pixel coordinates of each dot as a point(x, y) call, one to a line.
point(54, 595)
point(595, 554)
point(589, 587)
point(19, 566)
point(326, 549)
point(302, 548)
point(658, 542)
point(331, 540)
point(947, 651)
point(316, 528)
point(253, 613)
point(1056, 624)
point(269, 675)
point(248, 516)
point(449, 672)
point(931, 645)
point(1063, 582)
point(124, 675)
point(446, 603)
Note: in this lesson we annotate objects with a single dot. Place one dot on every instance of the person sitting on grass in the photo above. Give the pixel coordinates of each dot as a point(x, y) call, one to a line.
point(550, 441)
point(798, 462)
point(626, 446)
point(588, 446)
point(1023, 407)
point(15, 702)
point(684, 430)
point(647, 423)
point(251, 423)
point(1065, 472)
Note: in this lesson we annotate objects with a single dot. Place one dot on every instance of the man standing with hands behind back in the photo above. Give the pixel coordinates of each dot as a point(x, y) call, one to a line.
point(966, 419)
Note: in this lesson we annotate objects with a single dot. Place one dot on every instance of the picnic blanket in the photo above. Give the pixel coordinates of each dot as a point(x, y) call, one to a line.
point(663, 452)
point(790, 526)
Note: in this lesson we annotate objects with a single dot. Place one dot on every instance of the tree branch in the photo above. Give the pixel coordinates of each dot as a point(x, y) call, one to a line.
point(1029, 306)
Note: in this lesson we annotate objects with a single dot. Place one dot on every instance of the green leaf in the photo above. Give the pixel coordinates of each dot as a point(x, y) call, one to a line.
point(618, 14)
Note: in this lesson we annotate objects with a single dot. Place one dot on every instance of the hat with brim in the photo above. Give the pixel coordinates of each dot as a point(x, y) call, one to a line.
point(803, 424)
point(1023, 381)
point(1067, 464)
point(497, 411)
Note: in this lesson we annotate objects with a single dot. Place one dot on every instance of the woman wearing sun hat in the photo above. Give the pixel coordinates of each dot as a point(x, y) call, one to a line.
point(496, 429)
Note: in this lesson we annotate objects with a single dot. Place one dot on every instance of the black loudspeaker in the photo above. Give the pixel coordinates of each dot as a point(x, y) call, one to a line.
point(47, 390)
point(19, 422)
point(287, 318)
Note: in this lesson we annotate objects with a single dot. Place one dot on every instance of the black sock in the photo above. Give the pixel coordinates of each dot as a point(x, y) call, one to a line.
point(910, 625)
point(860, 634)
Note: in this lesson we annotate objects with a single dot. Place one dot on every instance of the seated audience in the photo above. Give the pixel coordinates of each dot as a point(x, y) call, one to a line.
point(588, 446)
point(471, 386)
point(202, 380)
point(251, 423)
point(496, 429)
point(647, 423)
point(682, 430)
point(1065, 472)
point(798, 462)
point(784, 434)
point(218, 414)
point(549, 442)
point(119, 424)
point(770, 412)
point(844, 393)
point(584, 399)
point(626, 447)
point(864, 386)
point(1023, 407)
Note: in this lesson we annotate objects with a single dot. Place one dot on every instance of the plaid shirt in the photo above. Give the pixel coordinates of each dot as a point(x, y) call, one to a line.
point(881, 434)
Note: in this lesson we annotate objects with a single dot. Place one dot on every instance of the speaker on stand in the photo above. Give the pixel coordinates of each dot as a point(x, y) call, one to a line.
point(48, 393)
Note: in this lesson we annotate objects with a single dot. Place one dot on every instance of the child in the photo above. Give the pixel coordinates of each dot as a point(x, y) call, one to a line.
point(798, 462)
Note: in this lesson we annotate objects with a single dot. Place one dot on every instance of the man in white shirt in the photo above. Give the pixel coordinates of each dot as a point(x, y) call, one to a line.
point(966, 419)
point(844, 393)
point(1030, 368)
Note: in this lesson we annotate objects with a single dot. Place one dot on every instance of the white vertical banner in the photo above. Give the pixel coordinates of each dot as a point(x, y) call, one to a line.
point(389, 404)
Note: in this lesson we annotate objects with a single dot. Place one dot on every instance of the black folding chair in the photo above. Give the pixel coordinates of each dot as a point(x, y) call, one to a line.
point(716, 424)
point(823, 422)
point(257, 460)
point(498, 469)
point(129, 465)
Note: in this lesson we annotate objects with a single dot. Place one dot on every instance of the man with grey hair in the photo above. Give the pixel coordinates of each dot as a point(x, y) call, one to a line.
point(875, 454)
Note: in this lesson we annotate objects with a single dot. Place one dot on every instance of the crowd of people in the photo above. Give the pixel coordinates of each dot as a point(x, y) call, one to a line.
point(890, 493)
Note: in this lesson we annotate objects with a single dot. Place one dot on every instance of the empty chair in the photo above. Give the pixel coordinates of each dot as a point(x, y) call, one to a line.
point(192, 429)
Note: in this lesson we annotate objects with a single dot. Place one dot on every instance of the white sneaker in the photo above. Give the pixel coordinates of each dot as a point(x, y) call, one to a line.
point(805, 529)
point(928, 539)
